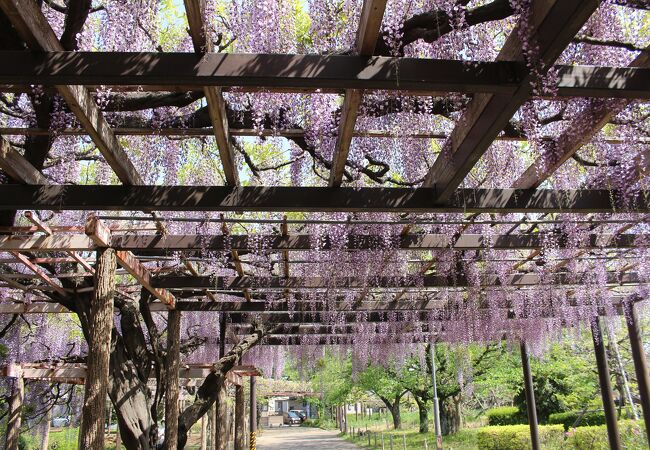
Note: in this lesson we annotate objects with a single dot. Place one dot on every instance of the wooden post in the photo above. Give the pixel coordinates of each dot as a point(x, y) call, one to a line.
point(221, 417)
point(45, 439)
point(530, 397)
point(172, 388)
point(240, 418)
point(204, 431)
point(605, 384)
point(253, 413)
point(100, 325)
point(15, 413)
point(640, 361)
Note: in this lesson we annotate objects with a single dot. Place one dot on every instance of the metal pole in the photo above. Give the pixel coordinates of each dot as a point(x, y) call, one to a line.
point(436, 406)
point(605, 384)
point(253, 413)
point(530, 397)
point(640, 361)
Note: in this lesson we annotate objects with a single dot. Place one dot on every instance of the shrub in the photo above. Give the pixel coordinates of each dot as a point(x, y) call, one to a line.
point(505, 415)
point(517, 437)
point(577, 419)
point(595, 437)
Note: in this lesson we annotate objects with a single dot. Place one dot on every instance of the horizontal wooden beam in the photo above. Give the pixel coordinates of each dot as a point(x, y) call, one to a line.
point(308, 199)
point(76, 373)
point(310, 72)
point(427, 281)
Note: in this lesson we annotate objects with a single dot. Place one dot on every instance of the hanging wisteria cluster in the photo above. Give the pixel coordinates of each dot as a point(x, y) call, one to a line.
point(398, 139)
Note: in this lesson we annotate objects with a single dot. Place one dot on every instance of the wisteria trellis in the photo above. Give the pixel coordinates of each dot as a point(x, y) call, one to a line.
point(614, 158)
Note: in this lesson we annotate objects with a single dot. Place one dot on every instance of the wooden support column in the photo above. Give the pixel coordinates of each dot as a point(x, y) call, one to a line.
point(15, 413)
point(253, 413)
point(221, 406)
point(240, 418)
point(172, 389)
point(100, 325)
point(605, 384)
point(530, 397)
point(640, 361)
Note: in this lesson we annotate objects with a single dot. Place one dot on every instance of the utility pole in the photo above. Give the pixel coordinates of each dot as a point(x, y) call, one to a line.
point(436, 407)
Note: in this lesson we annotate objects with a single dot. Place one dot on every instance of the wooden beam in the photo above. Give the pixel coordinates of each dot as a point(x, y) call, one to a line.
point(289, 133)
point(148, 244)
point(315, 199)
point(554, 24)
point(100, 234)
point(296, 73)
point(372, 14)
point(580, 131)
point(235, 258)
point(71, 372)
point(172, 362)
point(17, 167)
point(195, 11)
point(428, 281)
point(598, 337)
point(33, 27)
point(40, 273)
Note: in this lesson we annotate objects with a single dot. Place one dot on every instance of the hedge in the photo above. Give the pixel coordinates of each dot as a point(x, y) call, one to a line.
point(505, 415)
point(577, 419)
point(595, 437)
point(517, 437)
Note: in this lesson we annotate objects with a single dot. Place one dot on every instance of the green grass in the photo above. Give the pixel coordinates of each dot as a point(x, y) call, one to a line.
point(463, 440)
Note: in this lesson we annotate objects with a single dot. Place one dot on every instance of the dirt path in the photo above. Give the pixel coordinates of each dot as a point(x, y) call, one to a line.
point(302, 438)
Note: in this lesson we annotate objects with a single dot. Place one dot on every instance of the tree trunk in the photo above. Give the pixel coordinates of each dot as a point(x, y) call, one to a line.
point(394, 409)
point(449, 417)
point(423, 415)
point(221, 417)
point(100, 324)
point(15, 414)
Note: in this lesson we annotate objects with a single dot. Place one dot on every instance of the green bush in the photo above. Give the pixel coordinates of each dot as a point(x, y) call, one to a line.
point(517, 437)
point(595, 437)
point(505, 415)
point(577, 419)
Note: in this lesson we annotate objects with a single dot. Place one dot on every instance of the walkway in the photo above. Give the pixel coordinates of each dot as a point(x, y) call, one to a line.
point(302, 438)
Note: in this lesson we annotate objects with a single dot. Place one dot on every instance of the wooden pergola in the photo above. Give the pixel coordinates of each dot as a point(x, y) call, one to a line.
point(497, 89)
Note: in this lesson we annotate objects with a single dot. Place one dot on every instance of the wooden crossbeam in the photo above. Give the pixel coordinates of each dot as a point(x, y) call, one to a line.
point(235, 258)
point(100, 234)
point(195, 11)
point(309, 73)
point(315, 199)
point(581, 130)
point(427, 281)
point(33, 27)
point(554, 24)
point(76, 373)
point(144, 244)
point(40, 273)
point(17, 167)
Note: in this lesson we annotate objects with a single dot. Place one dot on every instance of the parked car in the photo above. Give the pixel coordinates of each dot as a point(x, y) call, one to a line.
point(59, 422)
point(291, 418)
point(302, 414)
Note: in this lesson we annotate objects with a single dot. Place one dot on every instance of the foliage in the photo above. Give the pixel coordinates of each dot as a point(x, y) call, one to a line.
point(517, 437)
point(505, 415)
point(462, 440)
point(572, 419)
point(563, 380)
point(595, 437)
